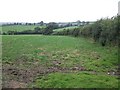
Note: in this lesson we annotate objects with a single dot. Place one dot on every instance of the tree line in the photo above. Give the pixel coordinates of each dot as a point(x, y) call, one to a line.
point(18, 23)
point(105, 31)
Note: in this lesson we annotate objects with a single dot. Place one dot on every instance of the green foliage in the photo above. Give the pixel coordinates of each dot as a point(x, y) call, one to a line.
point(37, 29)
point(49, 28)
point(104, 31)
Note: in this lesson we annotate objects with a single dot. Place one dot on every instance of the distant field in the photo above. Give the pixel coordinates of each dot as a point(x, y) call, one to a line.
point(18, 27)
point(28, 27)
point(57, 62)
point(60, 29)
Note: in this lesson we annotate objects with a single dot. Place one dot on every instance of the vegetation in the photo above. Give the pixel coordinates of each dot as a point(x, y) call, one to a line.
point(104, 31)
point(56, 61)
point(76, 80)
point(29, 29)
point(61, 29)
point(88, 57)
point(18, 28)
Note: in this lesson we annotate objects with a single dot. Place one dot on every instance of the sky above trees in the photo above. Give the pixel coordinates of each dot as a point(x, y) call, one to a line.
point(56, 10)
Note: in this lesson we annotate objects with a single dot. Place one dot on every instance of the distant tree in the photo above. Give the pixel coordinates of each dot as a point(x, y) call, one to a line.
point(10, 32)
point(4, 33)
point(52, 25)
point(48, 30)
point(79, 22)
point(14, 23)
point(76, 32)
point(26, 23)
point(87, 22)
point(41, 23)
point(83, 22)
point(38, 30)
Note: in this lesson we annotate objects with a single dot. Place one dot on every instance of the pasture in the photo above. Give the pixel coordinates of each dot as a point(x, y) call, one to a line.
point(61, 29)
point(57, 62)
point(19, 27)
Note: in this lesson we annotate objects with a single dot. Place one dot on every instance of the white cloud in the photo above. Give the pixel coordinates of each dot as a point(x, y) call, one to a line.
point(56, 10)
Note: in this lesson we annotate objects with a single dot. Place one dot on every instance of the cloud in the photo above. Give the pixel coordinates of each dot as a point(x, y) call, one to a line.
point(56, 10)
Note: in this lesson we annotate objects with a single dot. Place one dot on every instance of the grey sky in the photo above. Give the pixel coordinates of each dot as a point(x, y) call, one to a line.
point(56, 10)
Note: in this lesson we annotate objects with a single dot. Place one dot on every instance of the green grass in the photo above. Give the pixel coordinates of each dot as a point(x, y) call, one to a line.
point(76, 80)
point(71, 52)
point(61, 29)
point(18, 27)
point(28, 27)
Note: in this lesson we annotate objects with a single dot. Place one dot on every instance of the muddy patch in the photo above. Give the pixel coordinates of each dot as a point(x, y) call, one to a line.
point(15, 76)
point(15, 84)
point(26, 76)
point(24, 70)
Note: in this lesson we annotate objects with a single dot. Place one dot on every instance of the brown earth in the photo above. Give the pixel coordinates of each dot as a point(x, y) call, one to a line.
point(18, 75)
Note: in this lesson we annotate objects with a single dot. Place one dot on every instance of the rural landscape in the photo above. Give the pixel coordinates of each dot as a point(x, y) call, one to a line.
point(79, 54)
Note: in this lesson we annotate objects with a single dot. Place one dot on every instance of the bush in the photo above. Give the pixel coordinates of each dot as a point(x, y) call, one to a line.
point(104, 31)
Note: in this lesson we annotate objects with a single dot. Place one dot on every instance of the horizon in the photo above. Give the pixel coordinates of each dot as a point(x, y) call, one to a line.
point(46, 22)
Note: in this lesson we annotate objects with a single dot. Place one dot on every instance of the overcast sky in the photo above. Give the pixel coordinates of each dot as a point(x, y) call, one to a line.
point(56, 10)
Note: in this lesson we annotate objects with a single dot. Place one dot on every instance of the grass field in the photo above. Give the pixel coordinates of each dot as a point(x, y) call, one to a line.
point(57, 62)
point(61, 29)
point(18, 27)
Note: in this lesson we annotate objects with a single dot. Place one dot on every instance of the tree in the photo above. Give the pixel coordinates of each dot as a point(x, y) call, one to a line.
point(41, 23)
point(37, 30)
point(76, 32)
point(49, 28)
